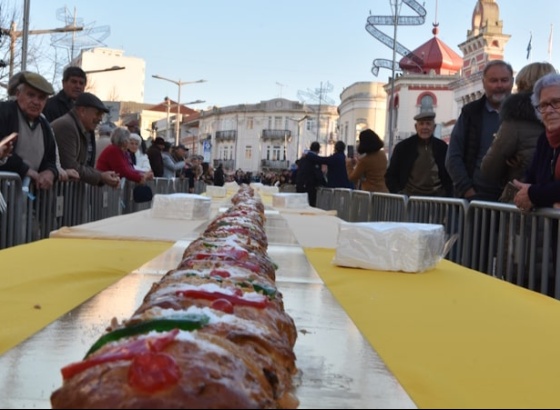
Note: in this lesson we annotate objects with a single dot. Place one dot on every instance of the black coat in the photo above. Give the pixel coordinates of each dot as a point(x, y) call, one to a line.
point(9, 122)
point(309, 174)
point(403, 158)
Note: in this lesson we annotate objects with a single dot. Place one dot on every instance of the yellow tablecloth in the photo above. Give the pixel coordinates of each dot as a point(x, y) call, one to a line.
point(42, 280)
point(453, 337)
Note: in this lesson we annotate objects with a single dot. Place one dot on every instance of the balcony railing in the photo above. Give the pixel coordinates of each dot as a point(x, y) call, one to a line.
point(229, 135)
point(226, 163)
point(270, 164)
point(280, 135)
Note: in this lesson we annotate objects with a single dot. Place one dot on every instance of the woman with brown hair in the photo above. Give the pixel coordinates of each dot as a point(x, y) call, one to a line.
point(371, 166)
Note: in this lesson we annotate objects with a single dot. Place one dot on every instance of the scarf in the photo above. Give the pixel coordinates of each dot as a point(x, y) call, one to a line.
point(553, 138)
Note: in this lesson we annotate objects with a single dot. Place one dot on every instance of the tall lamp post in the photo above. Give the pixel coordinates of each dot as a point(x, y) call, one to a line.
point(298, 121)
point(179, 84)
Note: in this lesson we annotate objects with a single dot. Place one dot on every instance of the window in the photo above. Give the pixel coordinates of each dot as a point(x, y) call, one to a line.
point(426, 103)
point(249, 123)
point(248, 152)
point(277, 123)
point(276, 153)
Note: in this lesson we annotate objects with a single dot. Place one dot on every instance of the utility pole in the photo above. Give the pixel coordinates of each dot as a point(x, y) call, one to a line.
point(319, 95)
point(14, 34)
point(394, 20)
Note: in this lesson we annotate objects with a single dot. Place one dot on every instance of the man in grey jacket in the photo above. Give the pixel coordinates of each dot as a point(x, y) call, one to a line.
point(77, 151)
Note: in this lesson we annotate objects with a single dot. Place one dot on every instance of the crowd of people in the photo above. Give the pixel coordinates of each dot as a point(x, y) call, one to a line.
point(501, 146)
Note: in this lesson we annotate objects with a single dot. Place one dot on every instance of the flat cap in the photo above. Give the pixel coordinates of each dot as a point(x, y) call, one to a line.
point(36, 81)
point(90, 100)
point(425, 115)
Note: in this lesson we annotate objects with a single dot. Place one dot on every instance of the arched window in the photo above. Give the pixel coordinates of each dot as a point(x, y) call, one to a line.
point(426, 101)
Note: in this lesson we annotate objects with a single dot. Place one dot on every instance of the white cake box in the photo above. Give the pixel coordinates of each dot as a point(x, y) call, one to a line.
point(216, 191)
point(268, 190)
point(289, 200)
point(390, 246)
point(181, 206)
point(231, 187)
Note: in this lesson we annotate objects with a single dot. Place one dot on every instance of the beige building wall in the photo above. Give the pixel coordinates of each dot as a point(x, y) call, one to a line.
point(362, 105)
point(236, 133)
point(122, 85)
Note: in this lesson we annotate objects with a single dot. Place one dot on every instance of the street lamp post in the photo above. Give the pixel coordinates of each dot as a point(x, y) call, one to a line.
point(298, 121)
point(179, 84)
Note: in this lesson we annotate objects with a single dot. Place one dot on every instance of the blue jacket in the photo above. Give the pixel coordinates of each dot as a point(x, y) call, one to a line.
point(337, 177)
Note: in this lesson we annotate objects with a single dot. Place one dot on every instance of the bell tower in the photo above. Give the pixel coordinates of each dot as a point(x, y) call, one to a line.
point(485, 40)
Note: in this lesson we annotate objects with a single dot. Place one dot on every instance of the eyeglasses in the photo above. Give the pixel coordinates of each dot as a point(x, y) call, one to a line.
point(555, 104)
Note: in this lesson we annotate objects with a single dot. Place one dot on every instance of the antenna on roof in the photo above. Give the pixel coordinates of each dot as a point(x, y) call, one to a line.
point(281, 86)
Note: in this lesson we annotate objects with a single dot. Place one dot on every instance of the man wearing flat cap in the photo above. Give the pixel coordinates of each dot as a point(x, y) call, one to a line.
point(417, 166)
point(155, 156)
point(34, 151)
point(73, 132)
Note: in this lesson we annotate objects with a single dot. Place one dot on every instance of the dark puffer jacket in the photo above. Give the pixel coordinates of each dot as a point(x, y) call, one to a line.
point(515, 140)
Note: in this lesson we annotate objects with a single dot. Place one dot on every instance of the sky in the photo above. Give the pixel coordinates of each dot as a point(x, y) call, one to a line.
point(254, 50)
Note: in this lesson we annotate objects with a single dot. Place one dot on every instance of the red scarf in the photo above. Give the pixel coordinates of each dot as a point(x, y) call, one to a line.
point(554, 141)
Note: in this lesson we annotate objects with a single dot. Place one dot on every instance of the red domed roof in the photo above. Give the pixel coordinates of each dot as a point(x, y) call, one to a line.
point(433, 55)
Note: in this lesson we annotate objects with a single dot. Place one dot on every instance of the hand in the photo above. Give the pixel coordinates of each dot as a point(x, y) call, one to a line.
point(110, 178)
point(73, 174)
point(521, 199)
point(147, 176)
point(470, 193)
point(62, 175)
point(45, 179)
point(6, 150)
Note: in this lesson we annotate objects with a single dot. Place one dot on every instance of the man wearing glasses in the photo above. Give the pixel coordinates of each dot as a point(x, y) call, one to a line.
point(473, 133)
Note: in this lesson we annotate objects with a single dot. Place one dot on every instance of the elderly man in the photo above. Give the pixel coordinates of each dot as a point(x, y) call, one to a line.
point(34, 151)
point(77, 150)
point(73, 84)
point(417, 166)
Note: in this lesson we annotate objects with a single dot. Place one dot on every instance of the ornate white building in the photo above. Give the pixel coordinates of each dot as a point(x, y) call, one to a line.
point(269, 135)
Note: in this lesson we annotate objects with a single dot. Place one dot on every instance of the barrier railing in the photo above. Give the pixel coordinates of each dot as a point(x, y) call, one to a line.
point(11, 229)
point(388, 207)
point(493, 238)
point(449, 212)
point(341, 202)
point(360, 206)
point(518, 247)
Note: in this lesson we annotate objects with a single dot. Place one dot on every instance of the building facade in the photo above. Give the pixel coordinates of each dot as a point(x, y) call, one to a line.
point(269, 135)
point(108, 83)
point(362, 105)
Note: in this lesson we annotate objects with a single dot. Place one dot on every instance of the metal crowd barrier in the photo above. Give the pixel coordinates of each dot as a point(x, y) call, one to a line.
point(31, 214)
point(493, 238)
point(341, 202)
point(388, 207)
point(325, 198)
point(360, 206)
point(449, 212)
point(11, 227)
point(518, 247)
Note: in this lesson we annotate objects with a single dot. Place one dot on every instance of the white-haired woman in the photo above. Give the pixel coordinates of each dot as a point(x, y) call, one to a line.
point(139, 159)
point(116, 158)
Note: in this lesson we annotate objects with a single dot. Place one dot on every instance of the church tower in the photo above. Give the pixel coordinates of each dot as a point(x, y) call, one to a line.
point(485, 40)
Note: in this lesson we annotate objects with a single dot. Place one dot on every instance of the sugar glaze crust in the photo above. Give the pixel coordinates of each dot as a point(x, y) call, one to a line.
point(212, 333)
